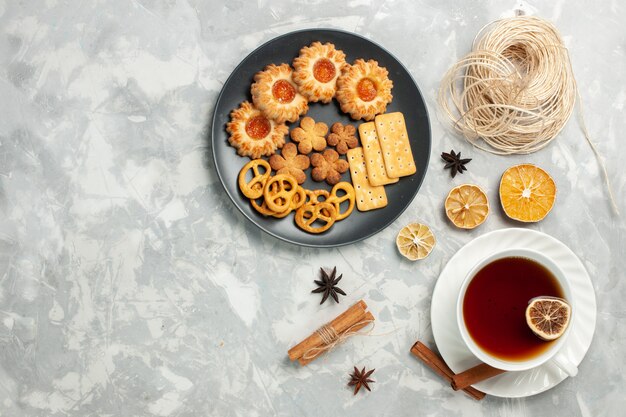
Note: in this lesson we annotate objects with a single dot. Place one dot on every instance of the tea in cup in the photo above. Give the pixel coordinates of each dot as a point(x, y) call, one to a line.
point(492, 304)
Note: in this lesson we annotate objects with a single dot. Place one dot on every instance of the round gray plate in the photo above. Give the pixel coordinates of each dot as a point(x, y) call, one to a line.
point(406, 98)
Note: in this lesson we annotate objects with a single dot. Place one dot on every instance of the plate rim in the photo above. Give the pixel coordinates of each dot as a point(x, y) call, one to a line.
point(254, 221)
point(586, 277)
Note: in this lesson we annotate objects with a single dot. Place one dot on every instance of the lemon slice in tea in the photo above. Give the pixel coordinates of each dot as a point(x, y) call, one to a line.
point(415, 241)
point(548, 317)
point(467, 206)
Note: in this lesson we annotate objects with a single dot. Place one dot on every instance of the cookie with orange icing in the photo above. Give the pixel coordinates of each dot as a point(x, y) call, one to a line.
point(316, 70)
point(253, 134)
point(276, 95)
point(364, 89)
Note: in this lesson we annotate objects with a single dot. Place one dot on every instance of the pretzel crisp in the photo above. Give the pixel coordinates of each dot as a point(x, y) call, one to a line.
point(261, 207)
point(316, 196)
point(337, 200)
point(311, 217)
point(280, 200)
point(254, 188)
point(297, 201)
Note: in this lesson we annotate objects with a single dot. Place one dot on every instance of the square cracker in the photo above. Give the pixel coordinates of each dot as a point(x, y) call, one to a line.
point(368, 197)
point(395, 145)
point(374, 161)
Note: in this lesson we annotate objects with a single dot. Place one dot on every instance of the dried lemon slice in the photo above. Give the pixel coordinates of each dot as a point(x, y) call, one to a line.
point(527, 193)
point(548, 317)
point(415, 241)
point(467, 206)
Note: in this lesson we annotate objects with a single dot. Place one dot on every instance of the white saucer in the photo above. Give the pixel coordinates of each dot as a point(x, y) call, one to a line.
point(443, 310)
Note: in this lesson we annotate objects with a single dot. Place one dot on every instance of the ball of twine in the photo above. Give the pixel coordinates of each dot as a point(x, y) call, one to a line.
point(515, 90)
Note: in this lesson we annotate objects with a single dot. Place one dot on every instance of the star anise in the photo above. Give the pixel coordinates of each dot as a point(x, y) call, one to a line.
point(360, 379)
point(455, 162)
point(328, 285)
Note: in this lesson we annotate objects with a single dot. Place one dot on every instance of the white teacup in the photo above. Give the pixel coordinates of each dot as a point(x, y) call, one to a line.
point(554, 352)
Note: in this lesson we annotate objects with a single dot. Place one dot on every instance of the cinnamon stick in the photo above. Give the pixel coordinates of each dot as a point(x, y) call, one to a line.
point(474, 375)
point(353, 315)
point(437, 365)
point(367, 319)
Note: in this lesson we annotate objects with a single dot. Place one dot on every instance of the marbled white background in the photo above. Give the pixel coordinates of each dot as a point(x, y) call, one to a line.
point(130, 285)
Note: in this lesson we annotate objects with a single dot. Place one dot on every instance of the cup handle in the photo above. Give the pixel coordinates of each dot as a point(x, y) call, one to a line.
point(565, 364)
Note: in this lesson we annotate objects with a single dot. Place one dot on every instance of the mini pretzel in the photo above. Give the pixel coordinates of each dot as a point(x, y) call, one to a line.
point(280, 200)
point(254, 188)
point(313, 196)
point(283, 214)
point(264, 210)
point(298, 199)
point(273, 189)
point(309, 214)
point(337, 200)
point(261, 208)
point(316, 197)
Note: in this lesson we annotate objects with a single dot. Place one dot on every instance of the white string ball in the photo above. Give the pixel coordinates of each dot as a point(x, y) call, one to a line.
point(515, 91)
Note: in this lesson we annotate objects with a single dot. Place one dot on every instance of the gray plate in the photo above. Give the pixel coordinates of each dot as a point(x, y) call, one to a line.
point(406, 98)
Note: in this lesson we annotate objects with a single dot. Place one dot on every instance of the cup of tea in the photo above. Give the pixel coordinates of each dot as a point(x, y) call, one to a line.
point(491, 310)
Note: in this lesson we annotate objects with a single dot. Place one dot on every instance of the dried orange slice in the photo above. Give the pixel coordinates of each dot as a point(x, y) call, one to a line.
point(467, 206)
point(548, 317)
point(415, 241)
point(527, 193)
